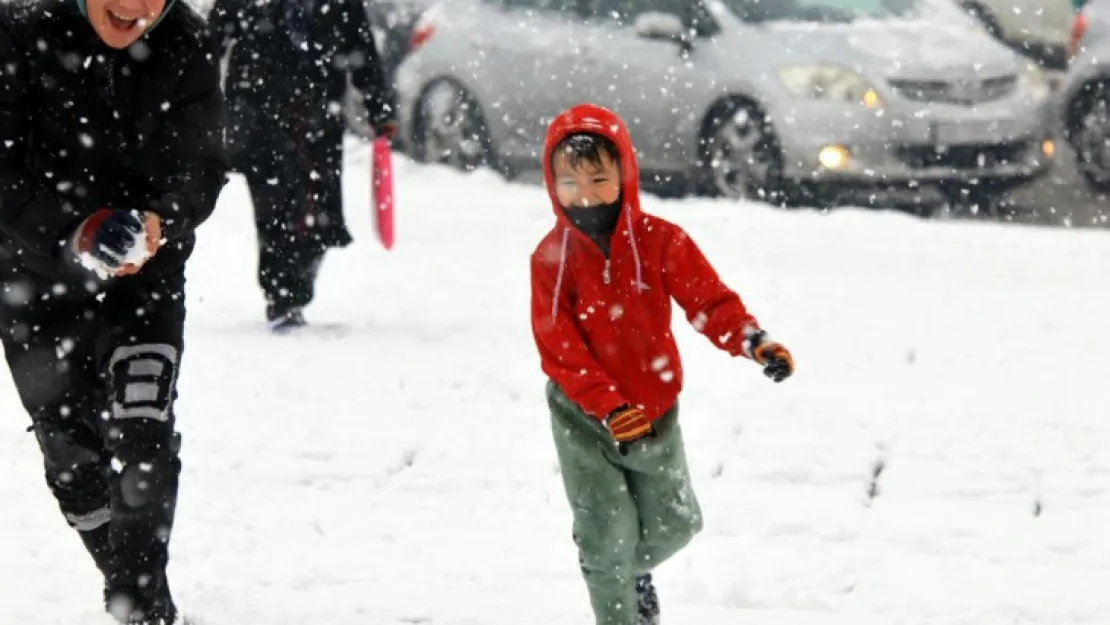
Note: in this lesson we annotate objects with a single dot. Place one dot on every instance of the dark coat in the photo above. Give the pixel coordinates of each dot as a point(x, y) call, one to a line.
point(276, 81)
point(84, 127)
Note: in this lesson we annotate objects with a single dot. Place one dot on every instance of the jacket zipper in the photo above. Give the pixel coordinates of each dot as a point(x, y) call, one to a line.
point(112, 76)
point(605, 273)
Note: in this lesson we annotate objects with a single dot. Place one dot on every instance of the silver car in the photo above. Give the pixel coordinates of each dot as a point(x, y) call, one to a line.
point(741, 98)
point(1086, 95)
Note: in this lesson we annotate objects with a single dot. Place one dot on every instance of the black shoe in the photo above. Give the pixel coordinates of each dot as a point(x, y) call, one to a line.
point(647, 602)
point(284, 321)
point(131, 605)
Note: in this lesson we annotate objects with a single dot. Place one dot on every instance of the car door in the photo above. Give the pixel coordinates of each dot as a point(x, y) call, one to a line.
point(531, 61)
point(643, 78)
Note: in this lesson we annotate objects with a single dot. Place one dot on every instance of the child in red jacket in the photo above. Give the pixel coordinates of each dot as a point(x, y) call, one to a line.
point(602, 283)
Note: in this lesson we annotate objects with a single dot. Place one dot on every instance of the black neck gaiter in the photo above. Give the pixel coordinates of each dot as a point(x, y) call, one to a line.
point(596, 221)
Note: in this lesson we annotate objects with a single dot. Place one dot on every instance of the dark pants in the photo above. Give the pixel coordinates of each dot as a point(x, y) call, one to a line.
point(296, 186)
point(98, 379)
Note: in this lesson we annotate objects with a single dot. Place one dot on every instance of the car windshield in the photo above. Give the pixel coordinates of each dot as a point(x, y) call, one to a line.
point(825, 11)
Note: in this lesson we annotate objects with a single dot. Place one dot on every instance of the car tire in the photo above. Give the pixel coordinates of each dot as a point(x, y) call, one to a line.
point(449, 128)
point(1088, 132)
point(739, 156)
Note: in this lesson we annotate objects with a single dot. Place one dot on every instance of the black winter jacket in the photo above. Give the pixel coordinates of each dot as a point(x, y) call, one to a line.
point(84, 127)
point(273, 82)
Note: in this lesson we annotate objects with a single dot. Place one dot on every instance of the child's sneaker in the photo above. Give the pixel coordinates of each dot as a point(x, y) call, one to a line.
point(647, 601)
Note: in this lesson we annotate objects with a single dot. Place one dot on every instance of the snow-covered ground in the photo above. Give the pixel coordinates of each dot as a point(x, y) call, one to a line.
point(394, 465)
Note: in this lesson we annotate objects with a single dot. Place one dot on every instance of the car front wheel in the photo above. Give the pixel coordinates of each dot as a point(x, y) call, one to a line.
point(739, 154)
point(450, 129)
point(1089, 133)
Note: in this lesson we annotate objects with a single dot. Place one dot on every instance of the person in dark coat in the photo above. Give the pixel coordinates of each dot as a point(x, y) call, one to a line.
point(112, 121)
point(286, 82)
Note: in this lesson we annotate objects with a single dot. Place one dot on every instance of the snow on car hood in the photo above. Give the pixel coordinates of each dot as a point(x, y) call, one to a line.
point(906, 48)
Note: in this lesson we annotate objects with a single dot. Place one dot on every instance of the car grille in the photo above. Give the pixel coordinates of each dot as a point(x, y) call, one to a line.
point(963, 92)
point(963, 156)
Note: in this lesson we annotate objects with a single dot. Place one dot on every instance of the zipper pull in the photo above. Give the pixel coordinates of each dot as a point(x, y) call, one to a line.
point(605, 272)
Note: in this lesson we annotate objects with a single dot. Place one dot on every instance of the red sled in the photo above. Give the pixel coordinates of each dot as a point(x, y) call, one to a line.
point(381, 190)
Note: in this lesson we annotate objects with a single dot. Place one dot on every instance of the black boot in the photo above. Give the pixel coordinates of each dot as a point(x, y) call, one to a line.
point(647, 602)
point(147, 604)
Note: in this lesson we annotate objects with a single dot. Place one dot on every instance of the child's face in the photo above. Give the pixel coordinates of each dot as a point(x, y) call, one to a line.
point(119, 23)
point(588, 184)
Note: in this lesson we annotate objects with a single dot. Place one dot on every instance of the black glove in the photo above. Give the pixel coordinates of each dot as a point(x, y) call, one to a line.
point(383, 120)
point(108, 236)
point(387, 129)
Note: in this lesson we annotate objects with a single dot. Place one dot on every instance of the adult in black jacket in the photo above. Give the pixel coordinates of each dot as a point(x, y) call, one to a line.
point(112, 156)
point(286, 82)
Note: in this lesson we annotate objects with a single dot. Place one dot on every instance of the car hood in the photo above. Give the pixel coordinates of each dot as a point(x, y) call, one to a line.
point(907, 49)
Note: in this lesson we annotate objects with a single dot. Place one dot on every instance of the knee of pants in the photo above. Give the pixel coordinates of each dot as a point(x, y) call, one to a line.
point(691, 525)
point(687, 522)
point(82, 494)
point(607, 540)
point(61, 448)
point(677, 537)
point(142, 484)
point(145, 462)
point(74, 474)
point(660, 545)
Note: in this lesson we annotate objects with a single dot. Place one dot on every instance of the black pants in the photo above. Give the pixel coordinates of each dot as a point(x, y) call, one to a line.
point(98, 379)
point(296, 186)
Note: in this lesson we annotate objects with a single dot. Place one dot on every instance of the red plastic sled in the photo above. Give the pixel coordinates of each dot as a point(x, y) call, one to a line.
point(381, 190)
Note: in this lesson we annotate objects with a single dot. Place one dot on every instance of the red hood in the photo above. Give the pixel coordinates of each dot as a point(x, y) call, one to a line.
point(595, 119)
point(601, 121)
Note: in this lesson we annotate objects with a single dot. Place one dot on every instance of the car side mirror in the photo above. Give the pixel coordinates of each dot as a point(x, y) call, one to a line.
point(664, 26)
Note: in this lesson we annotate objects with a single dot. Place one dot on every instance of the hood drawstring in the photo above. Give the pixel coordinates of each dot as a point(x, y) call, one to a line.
point(641, 286)
point(559, 277)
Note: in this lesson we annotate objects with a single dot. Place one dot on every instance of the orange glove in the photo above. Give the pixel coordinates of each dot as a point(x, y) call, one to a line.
point(627, 424)
point(777, 362)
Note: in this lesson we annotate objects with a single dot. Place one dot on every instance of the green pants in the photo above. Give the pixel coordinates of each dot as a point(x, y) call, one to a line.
point(631, 512)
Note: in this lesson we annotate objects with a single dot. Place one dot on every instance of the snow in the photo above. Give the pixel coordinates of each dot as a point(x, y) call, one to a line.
point(394, 464)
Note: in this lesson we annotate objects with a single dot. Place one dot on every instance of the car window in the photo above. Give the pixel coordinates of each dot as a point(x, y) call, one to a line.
point(821, 10)
point(624, 12)
point(569, 7)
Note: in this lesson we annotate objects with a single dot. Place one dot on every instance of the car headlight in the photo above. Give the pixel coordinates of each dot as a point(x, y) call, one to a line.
point(829, 82)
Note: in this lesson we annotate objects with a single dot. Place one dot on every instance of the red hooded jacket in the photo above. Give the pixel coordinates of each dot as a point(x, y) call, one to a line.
point(603, 326)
